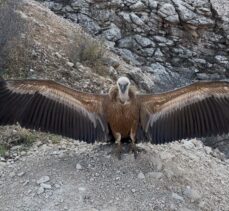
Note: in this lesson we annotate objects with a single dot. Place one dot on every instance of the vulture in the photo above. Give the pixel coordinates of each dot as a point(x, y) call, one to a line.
point(197, 110)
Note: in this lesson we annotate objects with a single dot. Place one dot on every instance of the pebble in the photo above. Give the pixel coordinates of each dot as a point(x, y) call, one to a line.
point(12, 174)
point(43, 179)
point(141, 176)
point(78, 166)
point(25, 183)
point(117, 178)
point(188, 145)
point(46, 186)
point(40, 190)
point(208, 150)
point(57, 186)
point(157, 164)
point(192, 194)
point(82, 189)
point(21, 174)
point(166, 156)
point(133, 190)
point(70, 64)
point(185, 209)
point(156, 175)
point(23, 153)
point(177, 197)
point(2, 159)
point(58, 55)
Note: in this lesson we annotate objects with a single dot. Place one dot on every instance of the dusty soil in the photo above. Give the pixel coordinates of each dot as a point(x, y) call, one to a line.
point(68, 175)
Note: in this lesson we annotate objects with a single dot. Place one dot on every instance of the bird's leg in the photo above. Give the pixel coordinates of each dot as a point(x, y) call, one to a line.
point(133, 147)
point(118, 143)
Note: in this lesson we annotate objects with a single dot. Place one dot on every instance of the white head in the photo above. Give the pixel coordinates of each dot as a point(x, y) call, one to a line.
point(123, 84)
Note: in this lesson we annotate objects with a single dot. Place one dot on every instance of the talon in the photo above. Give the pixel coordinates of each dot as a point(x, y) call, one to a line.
point(118, 151)
point(134, 150)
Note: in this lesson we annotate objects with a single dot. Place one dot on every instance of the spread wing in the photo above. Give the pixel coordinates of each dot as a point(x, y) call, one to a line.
point(197, 110)
point(51, 107)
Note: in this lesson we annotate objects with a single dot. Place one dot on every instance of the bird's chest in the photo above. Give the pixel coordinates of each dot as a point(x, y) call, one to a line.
point(122, 117)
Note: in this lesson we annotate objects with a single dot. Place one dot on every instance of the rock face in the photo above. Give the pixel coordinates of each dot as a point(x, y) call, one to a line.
point(173, 41)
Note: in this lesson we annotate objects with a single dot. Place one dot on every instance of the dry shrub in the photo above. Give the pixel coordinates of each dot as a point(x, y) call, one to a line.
point(89, 52)
point(14, 40)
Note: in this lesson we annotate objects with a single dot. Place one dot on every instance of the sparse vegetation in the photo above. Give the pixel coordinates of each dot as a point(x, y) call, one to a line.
point(14, 40)
point(3, 150)
point(26, 137)
point(89, 52)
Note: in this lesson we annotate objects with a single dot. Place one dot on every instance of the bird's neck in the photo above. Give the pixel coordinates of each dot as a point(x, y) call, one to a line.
point(124, 97)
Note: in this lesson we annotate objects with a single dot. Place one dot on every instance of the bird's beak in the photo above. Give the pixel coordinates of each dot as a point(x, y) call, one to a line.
point(123, 88)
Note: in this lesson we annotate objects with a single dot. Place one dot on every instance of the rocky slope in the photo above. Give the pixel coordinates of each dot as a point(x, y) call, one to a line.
point(173, 41)
point(48, 172)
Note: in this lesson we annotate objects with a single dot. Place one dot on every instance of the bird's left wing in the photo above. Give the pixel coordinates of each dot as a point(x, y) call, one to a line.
point(197, 110)
point(51, 107)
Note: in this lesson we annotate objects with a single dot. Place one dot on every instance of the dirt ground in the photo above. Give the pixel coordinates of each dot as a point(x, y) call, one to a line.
point(69, 175)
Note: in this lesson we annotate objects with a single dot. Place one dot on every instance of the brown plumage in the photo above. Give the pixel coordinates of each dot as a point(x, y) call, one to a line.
point(197, 110)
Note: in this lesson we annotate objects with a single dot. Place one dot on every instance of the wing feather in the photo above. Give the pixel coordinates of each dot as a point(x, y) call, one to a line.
point(197, 110)
point(51, 107)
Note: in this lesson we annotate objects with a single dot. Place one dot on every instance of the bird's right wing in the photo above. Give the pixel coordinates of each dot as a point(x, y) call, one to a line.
point(51, 107)
point(197, 110)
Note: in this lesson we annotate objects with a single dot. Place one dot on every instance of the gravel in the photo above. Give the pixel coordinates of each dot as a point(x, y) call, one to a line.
point(88, 177)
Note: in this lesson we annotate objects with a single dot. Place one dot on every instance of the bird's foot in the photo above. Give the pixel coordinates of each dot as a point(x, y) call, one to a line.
point(136, 150)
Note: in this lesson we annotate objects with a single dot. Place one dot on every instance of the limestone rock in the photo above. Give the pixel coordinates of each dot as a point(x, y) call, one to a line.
point(113, 33)
point(168, 12)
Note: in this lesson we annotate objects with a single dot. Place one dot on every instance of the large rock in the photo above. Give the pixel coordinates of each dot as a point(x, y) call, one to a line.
point(113, 33)
point(168, 12)
point(187, 14)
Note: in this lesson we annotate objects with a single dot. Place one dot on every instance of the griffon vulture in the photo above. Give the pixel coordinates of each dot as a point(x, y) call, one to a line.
point(197, 110)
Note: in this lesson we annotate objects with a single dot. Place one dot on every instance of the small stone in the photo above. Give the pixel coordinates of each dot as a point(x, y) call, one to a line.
point(141, 176)
point(26, 183)
point(43, 179)
point(185, 209)
point(12, 174)
point(31, 70)
point(70, 64)
point(46, 186)
point(40, 190)
point(157, 164)
point(82, 189)
point(208, 150)
point(169, 173)
point(2, 159)
point(177, 197)
point(58, 55)
point(21, 174)
point(23, 153)
point(156, 175)
point(133, 190)
point(194, 195)
point(78, 166)
point(57, 186)
point(117, 178)
point(188, 144)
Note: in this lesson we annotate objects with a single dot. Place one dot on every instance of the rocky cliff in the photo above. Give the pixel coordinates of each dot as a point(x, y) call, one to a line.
point(174, 42)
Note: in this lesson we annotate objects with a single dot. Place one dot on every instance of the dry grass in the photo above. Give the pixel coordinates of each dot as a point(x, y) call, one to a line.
point(14, 41)
point(3, 150)
point(89, 52)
